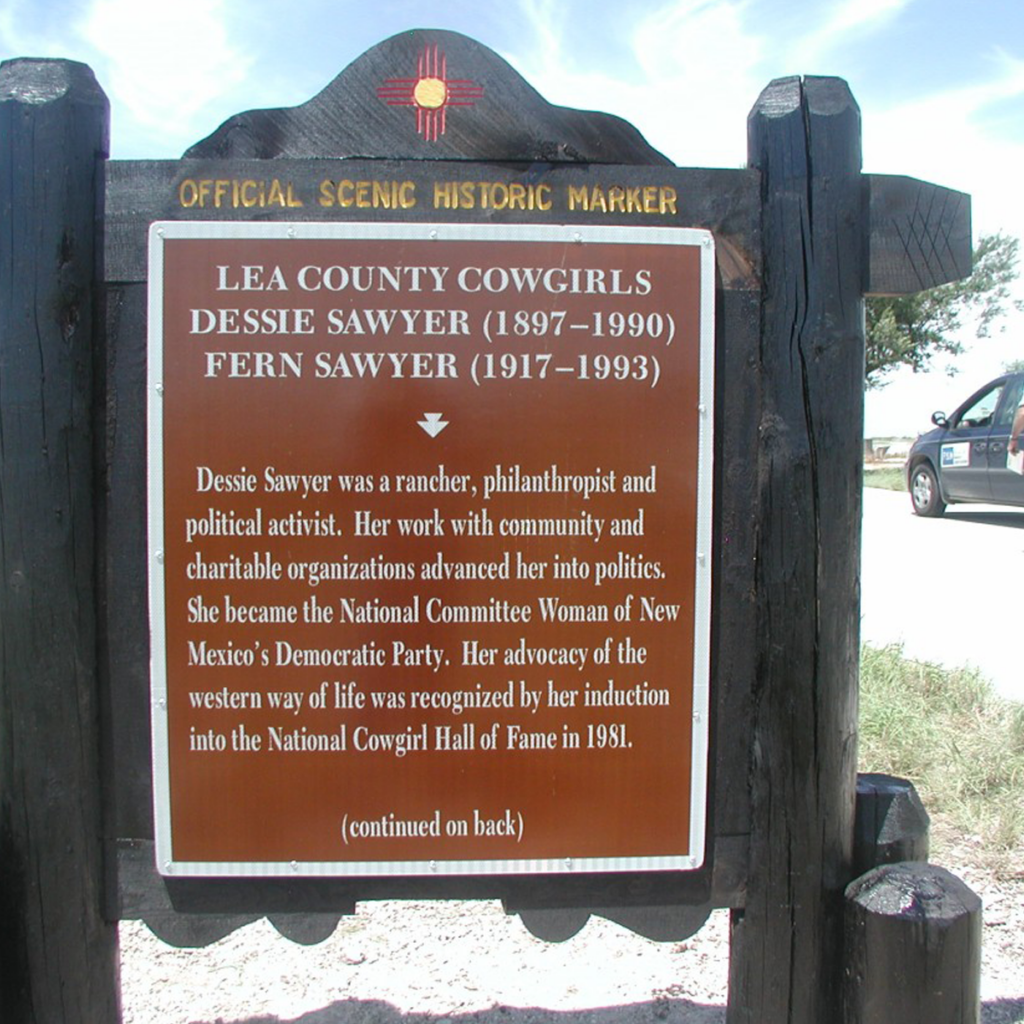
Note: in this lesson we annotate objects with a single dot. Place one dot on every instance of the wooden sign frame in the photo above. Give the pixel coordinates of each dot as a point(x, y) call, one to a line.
point(801, 235)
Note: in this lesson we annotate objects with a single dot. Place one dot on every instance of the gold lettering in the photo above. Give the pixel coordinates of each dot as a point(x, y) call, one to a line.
point(619, 199)
point(443, 194)
point(393, 194)
point(276, 194)
point(490, 195)
point(375, 194)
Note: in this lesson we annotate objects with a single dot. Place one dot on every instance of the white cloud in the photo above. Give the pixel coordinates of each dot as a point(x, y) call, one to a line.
point(543, 18)
point(11, 40)
point(843, 20)
point(946, 137)
point(950, 138)
point(164, 62)
point(23, 33)
point(700, 63)
point(696, 81)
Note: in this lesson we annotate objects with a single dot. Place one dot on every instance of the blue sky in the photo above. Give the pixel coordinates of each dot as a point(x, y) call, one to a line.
point(940, 84)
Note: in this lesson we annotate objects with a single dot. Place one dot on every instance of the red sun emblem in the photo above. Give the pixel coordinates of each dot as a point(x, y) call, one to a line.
point(431, 92)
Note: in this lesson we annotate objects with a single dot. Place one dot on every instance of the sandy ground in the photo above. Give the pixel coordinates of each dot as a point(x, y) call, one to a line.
point(442, 963)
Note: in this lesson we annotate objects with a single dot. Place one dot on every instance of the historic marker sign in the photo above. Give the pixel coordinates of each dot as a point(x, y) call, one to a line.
point(430, 527)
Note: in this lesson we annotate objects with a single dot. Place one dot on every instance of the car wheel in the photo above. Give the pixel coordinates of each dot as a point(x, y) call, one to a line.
point(924, 491)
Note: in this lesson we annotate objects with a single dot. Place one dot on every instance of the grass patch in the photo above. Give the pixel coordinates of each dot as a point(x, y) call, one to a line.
point(888, 478)
point(959, 743)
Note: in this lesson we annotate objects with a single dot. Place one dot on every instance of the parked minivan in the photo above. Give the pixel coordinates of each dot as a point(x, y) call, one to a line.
point(965, 457)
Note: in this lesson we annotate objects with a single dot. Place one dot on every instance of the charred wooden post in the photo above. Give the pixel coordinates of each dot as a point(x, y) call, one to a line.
point(804, 137)
point(58, 956)
point(891, 823)
point(913, 935)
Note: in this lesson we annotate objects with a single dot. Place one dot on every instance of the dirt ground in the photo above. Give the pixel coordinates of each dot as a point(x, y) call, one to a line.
point(446, 963)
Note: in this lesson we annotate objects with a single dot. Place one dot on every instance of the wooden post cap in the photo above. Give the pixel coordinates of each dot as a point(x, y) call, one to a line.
point(38, 80)
point(891, 823)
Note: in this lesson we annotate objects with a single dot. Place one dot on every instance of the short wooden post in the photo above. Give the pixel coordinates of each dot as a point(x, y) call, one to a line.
point(913, 935)
point(786, 965)
point(891, 824)
point(58, 957)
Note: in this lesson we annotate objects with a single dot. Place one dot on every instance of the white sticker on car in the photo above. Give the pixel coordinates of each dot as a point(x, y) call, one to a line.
point(954, 455)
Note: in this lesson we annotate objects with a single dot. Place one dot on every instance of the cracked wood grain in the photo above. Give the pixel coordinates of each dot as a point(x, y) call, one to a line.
point(804, 137)
point(58, 956)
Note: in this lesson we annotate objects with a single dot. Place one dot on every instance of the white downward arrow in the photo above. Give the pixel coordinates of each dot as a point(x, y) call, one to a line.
point(432, 423)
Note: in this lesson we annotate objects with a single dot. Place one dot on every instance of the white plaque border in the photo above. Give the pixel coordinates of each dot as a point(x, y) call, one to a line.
point(160, 232)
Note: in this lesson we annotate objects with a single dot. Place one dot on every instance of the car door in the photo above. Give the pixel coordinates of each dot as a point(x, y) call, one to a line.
point(1007, 486)
point(963, 453)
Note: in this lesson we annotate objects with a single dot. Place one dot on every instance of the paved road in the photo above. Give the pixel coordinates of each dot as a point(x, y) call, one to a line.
point(951, 589)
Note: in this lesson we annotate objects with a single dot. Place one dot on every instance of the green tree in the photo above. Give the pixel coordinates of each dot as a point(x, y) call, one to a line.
point(909, 330)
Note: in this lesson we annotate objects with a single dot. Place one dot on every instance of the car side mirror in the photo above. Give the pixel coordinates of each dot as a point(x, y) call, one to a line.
point(939, 419)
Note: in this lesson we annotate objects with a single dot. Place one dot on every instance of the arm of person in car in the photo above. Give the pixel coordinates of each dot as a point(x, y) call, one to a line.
point(1015, 430)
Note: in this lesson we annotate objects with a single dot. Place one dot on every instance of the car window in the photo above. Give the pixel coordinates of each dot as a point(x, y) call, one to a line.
point(980, 412)
point(1004, 417)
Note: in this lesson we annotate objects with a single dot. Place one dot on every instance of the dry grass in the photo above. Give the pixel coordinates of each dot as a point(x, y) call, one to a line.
point(888, 478)
point(959, 743)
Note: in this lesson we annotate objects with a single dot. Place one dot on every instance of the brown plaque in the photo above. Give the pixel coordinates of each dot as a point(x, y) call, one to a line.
point(430, 535)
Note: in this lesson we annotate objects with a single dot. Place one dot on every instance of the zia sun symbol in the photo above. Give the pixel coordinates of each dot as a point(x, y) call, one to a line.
point(431, 92)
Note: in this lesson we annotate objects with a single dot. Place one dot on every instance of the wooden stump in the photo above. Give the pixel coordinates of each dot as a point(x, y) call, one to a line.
point(913, 937)
point(891, 824)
